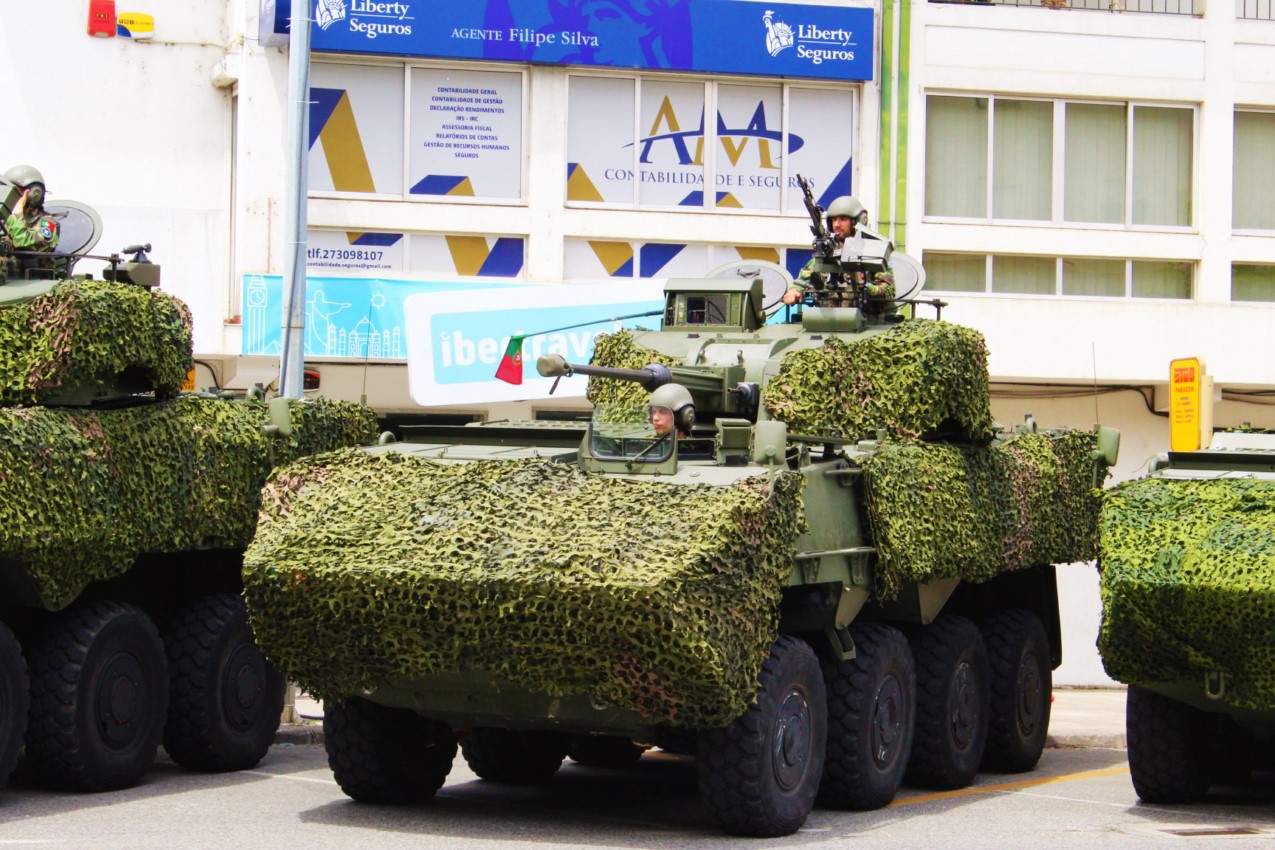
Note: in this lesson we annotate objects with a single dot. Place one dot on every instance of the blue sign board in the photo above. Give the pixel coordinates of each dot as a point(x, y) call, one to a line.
point(710, 36)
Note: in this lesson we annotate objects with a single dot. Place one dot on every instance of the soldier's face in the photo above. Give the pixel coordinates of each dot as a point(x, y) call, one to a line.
point(661, 420)
point(841, 225)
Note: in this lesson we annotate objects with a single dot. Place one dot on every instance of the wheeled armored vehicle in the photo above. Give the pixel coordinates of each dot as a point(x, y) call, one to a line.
point(125, 506)
point(836, 574)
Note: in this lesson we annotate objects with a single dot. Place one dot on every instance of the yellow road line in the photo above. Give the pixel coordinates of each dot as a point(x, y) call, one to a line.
point(1010, 786)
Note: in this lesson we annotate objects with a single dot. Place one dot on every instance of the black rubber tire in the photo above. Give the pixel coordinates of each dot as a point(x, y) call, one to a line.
point(951, 704)
point(871, 707)
point(13, 702)
point(1170, 747)
point(759, 776)
point(224, 699)
point(1021, 683)
point(513, 756)
point(99, 690)
point(389, 755)
point(608, 751)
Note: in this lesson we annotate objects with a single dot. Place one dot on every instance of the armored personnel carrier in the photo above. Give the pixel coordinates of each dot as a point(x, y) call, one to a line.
point(828, 574)
point(1187, 570)
point(125, 506)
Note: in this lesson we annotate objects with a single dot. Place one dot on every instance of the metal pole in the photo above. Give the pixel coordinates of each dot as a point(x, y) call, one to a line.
point(297, 188)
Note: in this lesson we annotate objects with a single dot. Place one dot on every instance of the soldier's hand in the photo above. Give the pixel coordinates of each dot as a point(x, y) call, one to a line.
point(792, 296)
point(21, 204)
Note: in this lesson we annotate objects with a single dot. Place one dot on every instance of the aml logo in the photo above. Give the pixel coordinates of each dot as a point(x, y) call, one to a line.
point(778, 34)
point(328, 12)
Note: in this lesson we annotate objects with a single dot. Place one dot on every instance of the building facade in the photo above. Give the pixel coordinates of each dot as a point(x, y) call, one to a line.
point(1085, 181)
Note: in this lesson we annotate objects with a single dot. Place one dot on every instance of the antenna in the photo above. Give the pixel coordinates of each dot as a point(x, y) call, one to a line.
point(367, 352)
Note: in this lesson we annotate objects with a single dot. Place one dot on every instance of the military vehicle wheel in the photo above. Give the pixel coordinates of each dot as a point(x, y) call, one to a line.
point(1235, 753)
point(13, 701)
point(514, 756)
point(224, 699)
point(1170, 747)
point(759, 776)
point(871, 703)
point(610, 751)
point(951, 704)
point(1021, 682)
point(99, 688)
point(380, 754)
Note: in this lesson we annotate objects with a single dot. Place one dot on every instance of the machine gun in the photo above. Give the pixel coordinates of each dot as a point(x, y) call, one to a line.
point(843, 269)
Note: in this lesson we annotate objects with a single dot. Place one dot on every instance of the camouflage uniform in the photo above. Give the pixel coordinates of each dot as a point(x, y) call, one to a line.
point(881, 286)
point(34, 230)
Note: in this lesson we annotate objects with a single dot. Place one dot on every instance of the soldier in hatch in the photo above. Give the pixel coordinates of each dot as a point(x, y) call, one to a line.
point(845, 215)
point(28, 227)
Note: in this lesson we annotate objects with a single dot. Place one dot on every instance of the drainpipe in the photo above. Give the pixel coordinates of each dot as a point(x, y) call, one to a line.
point(896, 40)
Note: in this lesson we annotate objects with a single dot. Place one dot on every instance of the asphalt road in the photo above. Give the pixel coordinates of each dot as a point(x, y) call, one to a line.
point(1078, 798)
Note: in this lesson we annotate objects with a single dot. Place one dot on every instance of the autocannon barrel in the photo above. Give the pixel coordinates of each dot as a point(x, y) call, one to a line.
point(650, 376)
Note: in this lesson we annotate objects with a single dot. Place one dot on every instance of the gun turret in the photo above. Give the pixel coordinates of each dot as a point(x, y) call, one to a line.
point(716, 389)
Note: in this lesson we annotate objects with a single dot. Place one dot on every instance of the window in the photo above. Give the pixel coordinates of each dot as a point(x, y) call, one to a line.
point(996, 158)
point(1082, 277)
point(596, 259)
point(1253, 172)
point(645, 142)
point(1252, 282)
point(464, 132)
point(339, 253)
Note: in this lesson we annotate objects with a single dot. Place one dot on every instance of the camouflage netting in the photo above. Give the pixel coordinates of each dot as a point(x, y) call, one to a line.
point(647, 596)
point(82, 493)
point(620, 351)
point(84, 333)
point(915, 378)
point(1188, 585)
point(973, 512)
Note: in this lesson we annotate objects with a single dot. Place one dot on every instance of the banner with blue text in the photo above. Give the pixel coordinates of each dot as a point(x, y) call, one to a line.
point(710, 36)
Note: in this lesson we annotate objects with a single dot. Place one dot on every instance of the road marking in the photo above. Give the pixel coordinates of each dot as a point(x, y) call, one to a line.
point(291, 778)
point(1010, 786)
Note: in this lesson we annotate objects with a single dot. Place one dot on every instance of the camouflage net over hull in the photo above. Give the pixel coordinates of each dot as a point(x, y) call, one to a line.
point(918, 377)
point(620, 351)
point(650, 597)
point(1188, 585)
point(85, 334)
point(83, 493)
point(974, 512)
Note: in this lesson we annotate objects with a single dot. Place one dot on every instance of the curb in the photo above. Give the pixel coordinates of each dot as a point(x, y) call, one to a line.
point(299, 733)
point(312, 733)
point(1109, 741)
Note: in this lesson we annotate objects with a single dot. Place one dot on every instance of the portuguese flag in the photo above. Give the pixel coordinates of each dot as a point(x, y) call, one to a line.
point(510, 368)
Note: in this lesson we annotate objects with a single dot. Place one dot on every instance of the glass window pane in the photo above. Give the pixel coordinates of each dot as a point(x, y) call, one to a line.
point(821, 130)
point(1252, 282)
point(1093, 188)
point(600, 140)
point(956, 156)
point(955, 272)
point(598, 259)
point(671, 150)
point(1162, 162)
point(749, 135)
point(1094, 277)
point(1161, 280)
point(356, 124)
point(466, 133)
point(1024, 275)
point(1254, 171)
point(1022, 159)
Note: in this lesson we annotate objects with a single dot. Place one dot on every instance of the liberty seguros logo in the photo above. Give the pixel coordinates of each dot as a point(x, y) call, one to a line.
point(779, 35)
point(816, 43)
point(328, 12)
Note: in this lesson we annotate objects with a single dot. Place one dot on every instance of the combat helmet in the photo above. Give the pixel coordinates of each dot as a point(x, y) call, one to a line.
point(676, 398)
point(848, 206)
point(23, 176)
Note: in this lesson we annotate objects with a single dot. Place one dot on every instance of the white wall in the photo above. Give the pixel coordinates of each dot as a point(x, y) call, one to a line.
point(135, 129)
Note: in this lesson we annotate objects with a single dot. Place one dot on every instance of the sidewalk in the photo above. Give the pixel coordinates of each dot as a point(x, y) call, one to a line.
point(1081, 717)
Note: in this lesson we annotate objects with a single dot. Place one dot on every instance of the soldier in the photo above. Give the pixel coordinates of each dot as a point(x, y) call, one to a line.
point(845, 214)
point(29, 227)
point(672, 405)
